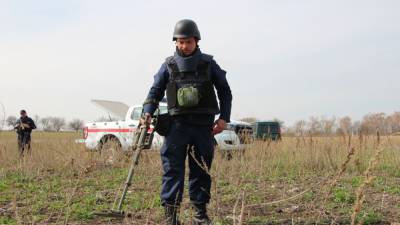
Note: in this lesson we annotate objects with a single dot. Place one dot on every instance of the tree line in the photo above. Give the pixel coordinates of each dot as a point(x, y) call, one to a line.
point(322, 125)
point(371, 123)
point(315, 125)
point(50, 123)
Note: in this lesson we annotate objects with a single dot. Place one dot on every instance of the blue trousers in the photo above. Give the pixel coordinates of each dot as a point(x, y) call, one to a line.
point(196, 143)
point(24, 142)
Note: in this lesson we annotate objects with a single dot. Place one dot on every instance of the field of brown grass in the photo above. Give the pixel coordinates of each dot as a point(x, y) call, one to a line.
point(305, 180)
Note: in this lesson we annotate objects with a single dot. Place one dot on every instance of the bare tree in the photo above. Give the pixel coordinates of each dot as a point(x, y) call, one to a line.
point(373, 122)
point(11, 121)
point(356, 127)
point(327, 125)
point(394, 122)
point(314, 125)
point(75, 124)
point(36, 118)
point(300, 127)
point(345, 125)
point(57, 123)
point(46, 123)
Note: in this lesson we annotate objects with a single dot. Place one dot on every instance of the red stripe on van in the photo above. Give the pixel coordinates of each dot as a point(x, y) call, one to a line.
point(116, 130)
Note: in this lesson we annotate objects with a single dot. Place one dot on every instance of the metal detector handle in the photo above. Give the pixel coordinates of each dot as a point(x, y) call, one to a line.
point(138, 146)
point(143, 134)
point(139, 136)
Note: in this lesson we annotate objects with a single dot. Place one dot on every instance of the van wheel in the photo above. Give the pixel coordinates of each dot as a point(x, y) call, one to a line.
point(228, 155)
point(110, 150)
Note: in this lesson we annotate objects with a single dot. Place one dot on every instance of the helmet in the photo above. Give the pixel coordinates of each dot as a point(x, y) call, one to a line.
point(185, 29)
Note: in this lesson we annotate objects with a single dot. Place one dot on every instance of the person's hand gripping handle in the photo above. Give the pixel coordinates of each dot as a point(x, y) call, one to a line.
point(219, 126)
point(146, 120)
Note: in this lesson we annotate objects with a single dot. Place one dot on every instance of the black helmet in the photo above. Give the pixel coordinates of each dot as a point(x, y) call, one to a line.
point(186, 29)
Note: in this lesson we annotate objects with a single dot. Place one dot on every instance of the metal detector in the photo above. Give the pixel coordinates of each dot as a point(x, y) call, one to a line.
point(143, 137)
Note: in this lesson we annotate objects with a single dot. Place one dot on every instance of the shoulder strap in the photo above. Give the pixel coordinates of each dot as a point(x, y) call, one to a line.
point(172, 68)
point(203, 68)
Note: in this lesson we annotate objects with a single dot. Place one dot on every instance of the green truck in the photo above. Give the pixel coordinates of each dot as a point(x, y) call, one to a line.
point(265, 130)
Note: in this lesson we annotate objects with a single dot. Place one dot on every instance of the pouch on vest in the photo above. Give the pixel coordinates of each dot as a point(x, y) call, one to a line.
point(188, 96)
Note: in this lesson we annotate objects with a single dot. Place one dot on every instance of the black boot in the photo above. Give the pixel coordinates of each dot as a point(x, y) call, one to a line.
point(171, 215)
point(200, 214)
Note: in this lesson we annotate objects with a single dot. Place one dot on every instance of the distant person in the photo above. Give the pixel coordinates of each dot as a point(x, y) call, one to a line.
point(24, 127)
point(189, 78)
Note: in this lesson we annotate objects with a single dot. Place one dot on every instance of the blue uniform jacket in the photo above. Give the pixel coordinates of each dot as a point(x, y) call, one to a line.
point(218, 77)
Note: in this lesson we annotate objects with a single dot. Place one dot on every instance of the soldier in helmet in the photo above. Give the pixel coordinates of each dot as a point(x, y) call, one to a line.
point(189, 78)
point(24, 127)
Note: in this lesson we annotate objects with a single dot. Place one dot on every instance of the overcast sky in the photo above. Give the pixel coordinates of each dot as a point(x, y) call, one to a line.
point(284, 59)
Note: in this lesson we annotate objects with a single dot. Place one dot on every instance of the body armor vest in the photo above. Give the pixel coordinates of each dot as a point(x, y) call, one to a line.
point(190, 82)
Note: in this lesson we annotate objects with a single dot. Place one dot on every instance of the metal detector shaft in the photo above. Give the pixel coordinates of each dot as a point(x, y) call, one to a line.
point(138, 146)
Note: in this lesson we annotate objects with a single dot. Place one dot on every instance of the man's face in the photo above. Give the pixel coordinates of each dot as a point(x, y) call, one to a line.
point(186, 45)
point(23, 115)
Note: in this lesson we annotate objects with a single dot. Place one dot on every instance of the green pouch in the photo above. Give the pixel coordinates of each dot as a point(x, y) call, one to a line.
point(188, 96)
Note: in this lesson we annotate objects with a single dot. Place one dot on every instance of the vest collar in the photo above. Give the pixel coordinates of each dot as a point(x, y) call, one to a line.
point(187, 63)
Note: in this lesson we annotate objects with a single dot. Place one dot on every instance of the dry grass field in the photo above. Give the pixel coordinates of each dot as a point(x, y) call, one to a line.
point(307, 180)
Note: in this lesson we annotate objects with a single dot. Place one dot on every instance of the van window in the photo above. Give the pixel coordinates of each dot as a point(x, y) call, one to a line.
point(136, 113)
point(163, 109)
